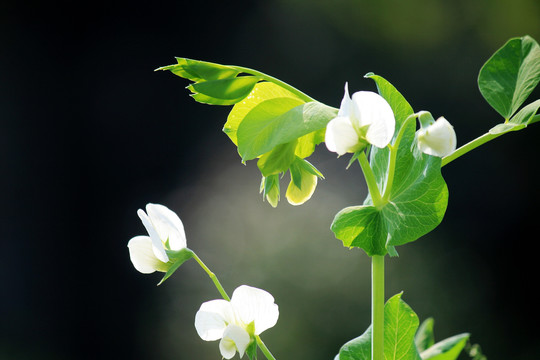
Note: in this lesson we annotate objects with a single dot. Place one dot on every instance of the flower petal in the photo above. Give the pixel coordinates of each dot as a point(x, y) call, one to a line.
point(168, 225)
point(252, 304)
point(212, 319)
point(234, 338)
point(298, 196)
point(157, 244)
point(142, 256)
point(345, 109)
point(438, 139)
point(341, 137)
point(372, 109)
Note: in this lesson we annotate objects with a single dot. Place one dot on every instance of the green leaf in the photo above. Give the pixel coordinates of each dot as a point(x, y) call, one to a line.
point(400, 324)
point(418, 198)
point(278, 160)
point(176, 258)
point(223, 91)
point(197, 71)
point(510, 75)
point(448, 349)
point(424, 337)
point(268, 125)
point(261, 92)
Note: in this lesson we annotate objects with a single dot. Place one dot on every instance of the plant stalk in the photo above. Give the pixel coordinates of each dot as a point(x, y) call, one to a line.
point(377, 307)
point(214, 278)
point(264, 349)
point(469, 146)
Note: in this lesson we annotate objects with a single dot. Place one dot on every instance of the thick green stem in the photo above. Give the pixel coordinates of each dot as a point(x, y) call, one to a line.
point(469, 146)
point(264, 349)
point(272, 79)
point(213, 277)
point(377, 307)
point(370, 179)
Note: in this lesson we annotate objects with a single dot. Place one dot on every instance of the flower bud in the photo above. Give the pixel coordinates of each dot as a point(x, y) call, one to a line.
point(437, 138)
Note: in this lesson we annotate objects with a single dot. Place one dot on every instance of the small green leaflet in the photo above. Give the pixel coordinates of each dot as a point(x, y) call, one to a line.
point(176, 258)
point(510, 75)
point(417, 200)
point(214, 84)
point(400, 324)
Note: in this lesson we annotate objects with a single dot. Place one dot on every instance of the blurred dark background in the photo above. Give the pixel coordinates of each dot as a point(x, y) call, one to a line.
point(89, 133)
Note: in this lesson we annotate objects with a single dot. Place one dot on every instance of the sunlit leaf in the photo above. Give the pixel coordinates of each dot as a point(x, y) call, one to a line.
point(510, 75)
point(267, 126)
point(448, 349)
point(223, 91)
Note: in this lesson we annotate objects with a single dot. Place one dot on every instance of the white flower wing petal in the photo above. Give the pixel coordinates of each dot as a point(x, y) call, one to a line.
point(252, 304)
point(234, 338)
point(345, 108)
point(438, 139)
point(372, 109)
point(142, 255)
point(168, 225)
point(157, 244)
point(341, 137)
point(212, 319)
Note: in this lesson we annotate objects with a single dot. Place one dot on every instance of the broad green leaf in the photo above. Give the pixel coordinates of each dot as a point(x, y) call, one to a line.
point(448, 349)
point(223, 91)
point(418, 198)
point(261, 92)
point(400, 324)
point(267, 126)
point(197, 71)
point(177, 258)
point(424, 337)
point(510, 75)
point(278, 160)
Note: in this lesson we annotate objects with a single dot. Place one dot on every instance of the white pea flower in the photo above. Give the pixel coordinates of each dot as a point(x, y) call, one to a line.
point(236, 322)
point(438, 138)
point(166, 233)
point(365, 118)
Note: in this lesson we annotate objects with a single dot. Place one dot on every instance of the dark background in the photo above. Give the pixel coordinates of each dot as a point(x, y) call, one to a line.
point(89, 134)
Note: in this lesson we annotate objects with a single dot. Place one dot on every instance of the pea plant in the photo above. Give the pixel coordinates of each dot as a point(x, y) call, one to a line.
point(400, 152)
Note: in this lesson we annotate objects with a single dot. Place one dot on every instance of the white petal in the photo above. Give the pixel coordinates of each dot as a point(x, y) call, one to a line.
point(341, 137)
point(372, 109)
point(142, 256)
point(234, 338)
point(345, 108)
point(157, 244)
point(438, 139)
point(168, 225)
point(212, 319)
point(252, 304)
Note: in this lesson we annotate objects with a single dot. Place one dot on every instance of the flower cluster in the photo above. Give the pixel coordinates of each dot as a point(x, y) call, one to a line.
point(366, 118)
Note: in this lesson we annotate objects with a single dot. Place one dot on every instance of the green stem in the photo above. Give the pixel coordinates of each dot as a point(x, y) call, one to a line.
point(272, 79)
point(213, 277)
point(377, 307)
point(370, 179)
point(469, 146)
point(393, 156)
point(264, 349)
